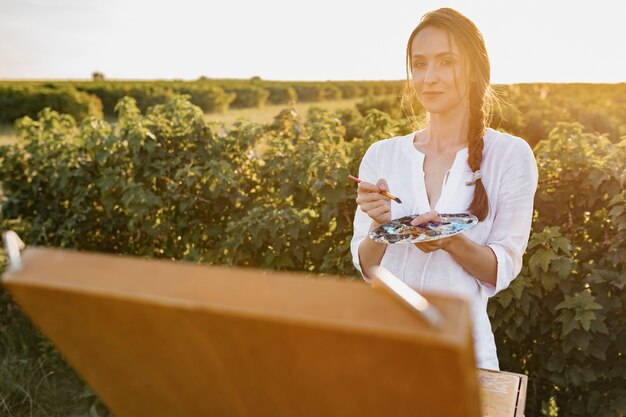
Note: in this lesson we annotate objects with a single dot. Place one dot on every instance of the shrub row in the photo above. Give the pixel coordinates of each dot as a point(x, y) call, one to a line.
point(20, 100)
point(81, 99)
point(209, 98)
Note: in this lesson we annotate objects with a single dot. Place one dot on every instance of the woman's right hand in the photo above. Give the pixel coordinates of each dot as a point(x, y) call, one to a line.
point(372, 202)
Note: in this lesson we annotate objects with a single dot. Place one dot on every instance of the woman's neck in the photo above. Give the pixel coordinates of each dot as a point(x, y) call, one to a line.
point(447, 132)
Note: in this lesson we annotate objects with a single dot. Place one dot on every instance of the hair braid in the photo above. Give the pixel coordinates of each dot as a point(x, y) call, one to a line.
point(477, 124)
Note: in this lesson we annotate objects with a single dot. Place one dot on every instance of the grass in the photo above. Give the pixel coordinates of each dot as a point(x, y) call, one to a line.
point(34, 378)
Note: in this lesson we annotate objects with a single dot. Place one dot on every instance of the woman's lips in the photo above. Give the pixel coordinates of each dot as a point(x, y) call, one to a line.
point(432, 94)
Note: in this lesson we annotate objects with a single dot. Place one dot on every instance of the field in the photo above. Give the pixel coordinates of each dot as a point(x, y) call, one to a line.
point(142, 189)
point(267, 112)
point(264, 114)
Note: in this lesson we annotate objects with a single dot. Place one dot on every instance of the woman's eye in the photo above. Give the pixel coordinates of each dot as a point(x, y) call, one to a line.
point(446, 62)
point(418, 64)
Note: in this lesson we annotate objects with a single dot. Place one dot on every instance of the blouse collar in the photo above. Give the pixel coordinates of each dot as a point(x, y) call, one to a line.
point(460, 160)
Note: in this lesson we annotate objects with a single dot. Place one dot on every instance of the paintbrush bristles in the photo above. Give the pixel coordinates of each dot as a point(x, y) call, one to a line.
point(391, 196)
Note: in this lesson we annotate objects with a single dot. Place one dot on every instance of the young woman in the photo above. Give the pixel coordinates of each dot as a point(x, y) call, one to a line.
point(455, 164)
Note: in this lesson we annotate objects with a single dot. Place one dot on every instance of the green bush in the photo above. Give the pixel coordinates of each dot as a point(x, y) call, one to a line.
point(280, 94)
point(126, 189)
point(330, 92)
point(25, 99)
point(351, 119)
point(210, 98)
point(207, 95)
point(145, 94)
point(248, 96)
point(562, 320)
point(309, 92)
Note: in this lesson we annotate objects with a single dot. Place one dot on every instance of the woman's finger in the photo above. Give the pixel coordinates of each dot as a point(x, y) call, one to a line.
point(377, 201)
point(367, 187)
point(431, 216)
point(380, 203)
point(369, 206)
point(381, 184)
point(380, 214)
point(379, 211)
point(373, 197)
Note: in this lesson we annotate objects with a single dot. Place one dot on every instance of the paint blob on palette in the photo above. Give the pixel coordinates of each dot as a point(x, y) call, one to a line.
point(400, 230)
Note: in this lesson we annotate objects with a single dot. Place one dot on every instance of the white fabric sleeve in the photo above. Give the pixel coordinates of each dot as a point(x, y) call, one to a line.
point(513, 215)
point(362, 222)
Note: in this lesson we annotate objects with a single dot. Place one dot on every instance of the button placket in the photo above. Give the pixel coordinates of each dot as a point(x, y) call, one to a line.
point(451, 180)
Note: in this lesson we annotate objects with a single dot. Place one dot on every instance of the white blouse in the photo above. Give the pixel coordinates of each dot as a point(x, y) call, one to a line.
point(510, 175)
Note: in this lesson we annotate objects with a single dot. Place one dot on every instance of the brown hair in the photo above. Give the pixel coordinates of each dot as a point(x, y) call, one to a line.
point(481, 98)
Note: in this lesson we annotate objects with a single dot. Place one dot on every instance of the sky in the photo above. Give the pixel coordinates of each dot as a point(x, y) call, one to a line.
point(527, 40)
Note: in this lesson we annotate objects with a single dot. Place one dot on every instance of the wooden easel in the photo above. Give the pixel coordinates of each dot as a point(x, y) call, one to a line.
point(162, 338)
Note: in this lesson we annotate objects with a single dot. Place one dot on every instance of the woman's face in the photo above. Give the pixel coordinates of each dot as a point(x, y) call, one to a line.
point(438, 72)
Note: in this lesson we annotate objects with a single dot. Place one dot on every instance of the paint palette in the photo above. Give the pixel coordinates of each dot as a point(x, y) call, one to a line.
point(401, 231)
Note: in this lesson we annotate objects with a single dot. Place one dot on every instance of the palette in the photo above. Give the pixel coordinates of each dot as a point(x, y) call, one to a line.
point(401, 231)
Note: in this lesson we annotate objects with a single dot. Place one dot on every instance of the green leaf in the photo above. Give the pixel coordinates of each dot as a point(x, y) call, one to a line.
point(562, 266)
point(585, 319)
point(563, 244)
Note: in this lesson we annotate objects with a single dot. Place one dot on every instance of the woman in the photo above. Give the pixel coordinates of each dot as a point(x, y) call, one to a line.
point(455, 164)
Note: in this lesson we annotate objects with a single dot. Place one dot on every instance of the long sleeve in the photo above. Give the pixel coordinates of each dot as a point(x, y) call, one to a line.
point(362, 222)
point(513, 214)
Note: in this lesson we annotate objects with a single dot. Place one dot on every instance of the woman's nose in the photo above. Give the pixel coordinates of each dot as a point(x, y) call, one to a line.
point(430, 75)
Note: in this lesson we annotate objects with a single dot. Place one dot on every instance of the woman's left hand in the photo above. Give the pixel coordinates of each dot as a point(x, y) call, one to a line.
point(433, 245)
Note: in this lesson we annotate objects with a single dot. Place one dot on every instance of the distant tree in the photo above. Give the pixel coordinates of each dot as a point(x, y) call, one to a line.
point(256, 78)
point(97, 76)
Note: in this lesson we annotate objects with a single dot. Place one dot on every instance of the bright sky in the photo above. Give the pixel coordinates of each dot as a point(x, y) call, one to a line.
point(527, 40)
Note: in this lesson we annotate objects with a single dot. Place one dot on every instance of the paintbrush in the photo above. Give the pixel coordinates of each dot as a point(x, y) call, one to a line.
point(385, 193)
